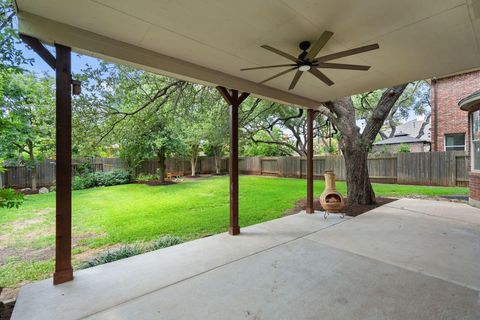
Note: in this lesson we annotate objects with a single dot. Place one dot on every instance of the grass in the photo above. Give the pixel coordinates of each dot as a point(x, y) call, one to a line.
point(126, 214)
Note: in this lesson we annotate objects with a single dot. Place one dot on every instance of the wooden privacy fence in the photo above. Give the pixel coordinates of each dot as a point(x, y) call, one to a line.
point(426, 168)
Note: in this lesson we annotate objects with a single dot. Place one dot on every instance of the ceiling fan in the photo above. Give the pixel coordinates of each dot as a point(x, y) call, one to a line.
point(307, 60)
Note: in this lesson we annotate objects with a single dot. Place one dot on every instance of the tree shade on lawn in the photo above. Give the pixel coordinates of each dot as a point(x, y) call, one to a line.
point(108, 216)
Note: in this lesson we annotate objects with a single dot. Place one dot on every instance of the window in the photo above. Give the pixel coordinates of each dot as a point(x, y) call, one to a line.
point(455, 142)
point(475, 122)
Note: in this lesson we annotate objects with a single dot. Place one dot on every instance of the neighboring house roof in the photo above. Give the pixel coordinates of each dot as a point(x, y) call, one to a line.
point(400, 138)
point(470, 102)
point(412, 128)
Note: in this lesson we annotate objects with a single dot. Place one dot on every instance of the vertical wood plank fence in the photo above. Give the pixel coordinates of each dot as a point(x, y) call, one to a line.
point(425, 168)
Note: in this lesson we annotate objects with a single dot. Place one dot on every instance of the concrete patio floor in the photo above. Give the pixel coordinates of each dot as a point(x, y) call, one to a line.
point(409, 259)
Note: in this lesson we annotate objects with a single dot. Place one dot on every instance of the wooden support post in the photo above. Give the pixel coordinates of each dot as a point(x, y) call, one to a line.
point(310, 117)
point(63, 248)
point(234, 99)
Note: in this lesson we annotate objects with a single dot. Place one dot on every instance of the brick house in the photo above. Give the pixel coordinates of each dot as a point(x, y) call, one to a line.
point(449, 123)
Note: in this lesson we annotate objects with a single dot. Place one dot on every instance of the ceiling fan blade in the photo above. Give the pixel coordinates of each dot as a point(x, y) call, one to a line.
point(347, 53)
point(295, 79)
point(268, 67)
point(317, 73)
point(278, 75)
point(342, 66)
point(281, 53)
point(318, 45)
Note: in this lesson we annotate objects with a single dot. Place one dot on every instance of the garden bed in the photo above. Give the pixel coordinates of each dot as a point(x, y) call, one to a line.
point(349, 210)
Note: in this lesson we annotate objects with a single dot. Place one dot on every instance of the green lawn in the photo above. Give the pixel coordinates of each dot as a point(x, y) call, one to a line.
point(104, 217)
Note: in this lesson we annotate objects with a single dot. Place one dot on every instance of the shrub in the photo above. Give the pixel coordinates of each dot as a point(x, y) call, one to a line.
point(130, 251)
point(113, 255)
point(9, 198)
point(83, 182)
point(404, 148)
point(166, 241)
point(112, 178)
point(146, 177)
point(98, 179)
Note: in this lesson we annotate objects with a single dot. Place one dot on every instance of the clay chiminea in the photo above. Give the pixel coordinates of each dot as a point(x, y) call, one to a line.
point(331, 200)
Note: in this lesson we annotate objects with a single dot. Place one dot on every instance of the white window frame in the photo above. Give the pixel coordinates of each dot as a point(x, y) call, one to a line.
point(472, 153)
point(451, 134)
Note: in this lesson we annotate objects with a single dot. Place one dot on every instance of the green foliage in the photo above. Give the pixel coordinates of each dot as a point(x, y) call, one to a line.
point(83, 182)
point(330, 149)
point(101, 179)
point(27, 118)
point(112, 178)
point(146, 177)
point(113, 255)
point(166, 241)
point(82, 169)
point(9, 198)
point(131, 250)
point(11, 57)
point(404, 148)
point(17, 271)
point(415, 99)
point(250, 148)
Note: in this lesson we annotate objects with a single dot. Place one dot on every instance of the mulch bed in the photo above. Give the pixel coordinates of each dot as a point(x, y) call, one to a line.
point(350, 210)
point(158, 183)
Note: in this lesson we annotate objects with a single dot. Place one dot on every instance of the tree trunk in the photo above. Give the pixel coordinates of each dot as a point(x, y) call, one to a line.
point(33, 165)
point(193, 159)
point(217, 164)
point(161, 166)
point(359, 187)
point(193, 165)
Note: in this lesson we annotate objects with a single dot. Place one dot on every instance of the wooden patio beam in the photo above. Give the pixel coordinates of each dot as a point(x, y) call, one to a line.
point(40, 49)
point(63, 242)
point(310, 118)
point(234, 100)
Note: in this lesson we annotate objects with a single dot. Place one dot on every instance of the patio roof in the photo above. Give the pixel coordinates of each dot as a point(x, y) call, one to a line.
point(210, 41)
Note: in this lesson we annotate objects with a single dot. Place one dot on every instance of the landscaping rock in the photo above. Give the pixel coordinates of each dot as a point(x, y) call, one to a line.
point(43, 190)
point(25, 189)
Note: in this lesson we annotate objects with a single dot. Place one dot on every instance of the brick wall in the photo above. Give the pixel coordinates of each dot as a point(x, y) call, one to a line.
point(474, 186)
point(450, 118)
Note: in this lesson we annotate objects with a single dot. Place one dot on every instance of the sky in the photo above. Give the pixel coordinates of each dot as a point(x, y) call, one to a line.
point(41, 67)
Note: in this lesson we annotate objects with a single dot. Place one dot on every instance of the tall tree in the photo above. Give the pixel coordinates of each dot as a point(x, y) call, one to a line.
point(415, 99)
point(355, 143)
point(27, 117)
point(11, 56)
point(130, 109)
point(271, 123)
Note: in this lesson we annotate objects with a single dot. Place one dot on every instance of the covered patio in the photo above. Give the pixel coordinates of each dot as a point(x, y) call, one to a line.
point(209, 42)
point(410, 259)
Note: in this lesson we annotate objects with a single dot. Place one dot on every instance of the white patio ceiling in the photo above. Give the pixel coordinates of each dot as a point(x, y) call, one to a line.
point(209, 41)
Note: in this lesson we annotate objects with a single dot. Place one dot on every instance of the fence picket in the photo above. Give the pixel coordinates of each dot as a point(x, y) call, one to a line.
point(429, 168)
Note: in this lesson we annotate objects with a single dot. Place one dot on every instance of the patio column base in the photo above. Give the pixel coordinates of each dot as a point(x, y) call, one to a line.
point(62, 276)
point(234, 231)
point(310, 210)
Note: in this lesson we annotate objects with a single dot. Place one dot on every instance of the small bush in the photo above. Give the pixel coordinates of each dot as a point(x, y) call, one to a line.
point(113, 255)
point(112, 178)
point(166, 241)
point(9, 198)
point(83, 182)
point(404, 148)
point(146, 177)
point(99, 179)
point(130, 251)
